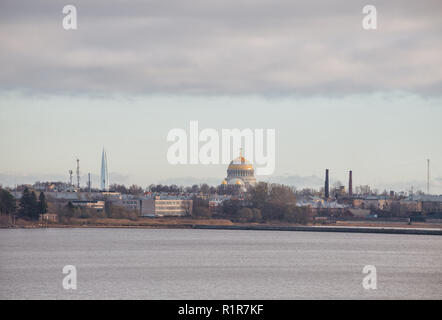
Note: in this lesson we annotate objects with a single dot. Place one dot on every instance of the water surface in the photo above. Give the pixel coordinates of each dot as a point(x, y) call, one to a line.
point(217, 264)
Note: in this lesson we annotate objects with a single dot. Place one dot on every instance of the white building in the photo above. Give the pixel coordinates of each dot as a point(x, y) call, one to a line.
point(168, 206)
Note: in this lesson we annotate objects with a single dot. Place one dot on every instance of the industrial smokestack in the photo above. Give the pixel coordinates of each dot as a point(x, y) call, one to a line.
point(350, 183)
point(70, 177)
point(326, 190)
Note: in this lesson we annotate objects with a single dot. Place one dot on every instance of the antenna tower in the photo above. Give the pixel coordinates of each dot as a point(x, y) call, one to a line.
point(78, 173)
point(428, 176)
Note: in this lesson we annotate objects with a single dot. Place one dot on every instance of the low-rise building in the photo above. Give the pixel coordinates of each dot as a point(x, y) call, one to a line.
point(372, 202)
point(425, 204)
point(89, 204)
point(319, 207)
point(167, 206)
point(358, 213)
point(216, 202)
point(49, 217)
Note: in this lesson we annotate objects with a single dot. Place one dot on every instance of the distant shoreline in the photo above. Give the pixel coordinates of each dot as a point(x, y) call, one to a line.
point(385, 230)
point(222, 224)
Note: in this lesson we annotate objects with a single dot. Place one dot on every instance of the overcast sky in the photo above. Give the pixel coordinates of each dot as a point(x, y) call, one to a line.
point(338, 96)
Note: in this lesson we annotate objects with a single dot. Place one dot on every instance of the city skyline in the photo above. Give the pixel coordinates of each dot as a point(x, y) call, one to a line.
point(237, 154)
point(379, 157)
point(338, 97)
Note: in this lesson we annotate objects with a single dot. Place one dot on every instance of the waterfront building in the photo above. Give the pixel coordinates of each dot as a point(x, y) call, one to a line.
point(48, 217)
point(165, 206)
point(89, 204)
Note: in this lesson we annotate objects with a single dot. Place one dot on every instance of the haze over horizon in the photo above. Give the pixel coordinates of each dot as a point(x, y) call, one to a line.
point(338, 96)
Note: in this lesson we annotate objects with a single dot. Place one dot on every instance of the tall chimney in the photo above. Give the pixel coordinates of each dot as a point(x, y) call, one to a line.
point(350, 183)
point(326, 191)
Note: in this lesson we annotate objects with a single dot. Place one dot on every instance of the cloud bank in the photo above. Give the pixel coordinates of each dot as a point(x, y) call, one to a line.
point(263, 47)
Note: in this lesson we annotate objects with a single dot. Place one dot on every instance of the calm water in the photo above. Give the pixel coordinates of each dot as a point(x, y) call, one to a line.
point(216, 264)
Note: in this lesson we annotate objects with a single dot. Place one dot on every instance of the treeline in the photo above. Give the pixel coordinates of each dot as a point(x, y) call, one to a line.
point(29, 207)
point(201, 208)
point(268, 202)
point(202, 188)
point(7, 202)
point(67, 213)
point(265, 202)
point(137, 190)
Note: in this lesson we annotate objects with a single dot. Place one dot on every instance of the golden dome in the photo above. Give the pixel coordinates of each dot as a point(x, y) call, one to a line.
point(240, 163)
point(240, 174)
point(236, 181)
point(224, 182)
point(240, 167)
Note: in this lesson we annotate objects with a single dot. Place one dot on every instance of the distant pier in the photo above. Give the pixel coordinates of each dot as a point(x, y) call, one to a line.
point(391, 230)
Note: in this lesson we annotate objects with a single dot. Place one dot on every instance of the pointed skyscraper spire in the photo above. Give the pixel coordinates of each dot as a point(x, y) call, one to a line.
point(104, 172)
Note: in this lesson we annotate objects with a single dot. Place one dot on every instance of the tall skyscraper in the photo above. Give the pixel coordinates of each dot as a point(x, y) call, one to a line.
point(104, 172)
point(326, 187)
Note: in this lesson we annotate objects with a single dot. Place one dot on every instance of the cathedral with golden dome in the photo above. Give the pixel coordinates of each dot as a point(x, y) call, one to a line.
point(240, 175)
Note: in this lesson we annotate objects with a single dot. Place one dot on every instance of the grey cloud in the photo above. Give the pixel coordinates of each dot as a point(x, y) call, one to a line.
point(259, 47)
